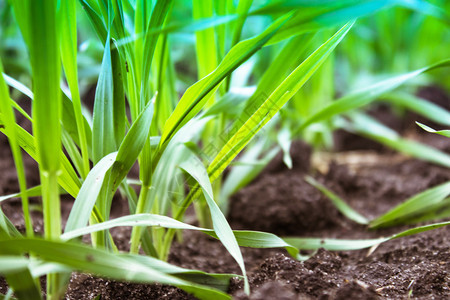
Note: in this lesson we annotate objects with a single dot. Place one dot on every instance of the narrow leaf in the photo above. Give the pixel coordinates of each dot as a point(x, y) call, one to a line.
point(103, 138)
point(445, 133)
point(345, 245)
point(195, 97)
point(274, 103)
point(366, 126)
point(196, 169)
point(31, 192)
point(132, 145)
point(85, 201)
point(102, 263)
point(19, 278)
point(254, 239)
point(417, 204)
point(68, 178)
point(366, 95)
point(340, 204)
point(421, 106)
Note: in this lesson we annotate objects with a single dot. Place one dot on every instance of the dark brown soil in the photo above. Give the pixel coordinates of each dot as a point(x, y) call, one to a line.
point(280, 201)
point(417, 266)
point(286, 205)
point(84, 286)
point(283, 203)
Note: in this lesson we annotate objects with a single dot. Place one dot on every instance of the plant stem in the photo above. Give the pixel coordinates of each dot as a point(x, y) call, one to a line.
point(52, 222)
point(164, 255)
point(137, 230)
point(51, 205)
point(81, 134)
point(203, 214)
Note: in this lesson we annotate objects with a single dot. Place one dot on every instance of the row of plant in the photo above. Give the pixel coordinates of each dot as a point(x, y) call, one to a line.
point(237, 105)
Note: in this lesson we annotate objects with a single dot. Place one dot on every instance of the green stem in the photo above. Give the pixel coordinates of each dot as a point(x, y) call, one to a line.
point(23, 188)
point(26, 211)
point(96, 237)
point(52, 222)
point(165, 249)
point(81, 133)
point(51, 204)
point(194, 194)
point(203, 214)
point(54, 281)
point(137, 230)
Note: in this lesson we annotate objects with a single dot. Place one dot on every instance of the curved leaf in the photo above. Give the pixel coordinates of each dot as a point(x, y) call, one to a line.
point(18, 276)
point(445, 133)
point(254, 239)
point(366, 95)
point(421, 106)
point(85, 201)
point(196, 169)
point(368, 127)
point(68, 179)
point(340, 204)
point(345, 245)
point(132, 145)
point(31, 192)
point(102, 263)
point(195, 97)
point(274, 103)
point(417, 204)
point(103, 138)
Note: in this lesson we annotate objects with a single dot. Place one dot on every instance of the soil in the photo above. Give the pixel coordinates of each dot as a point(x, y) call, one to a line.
point(419, 263)
point(282, 202)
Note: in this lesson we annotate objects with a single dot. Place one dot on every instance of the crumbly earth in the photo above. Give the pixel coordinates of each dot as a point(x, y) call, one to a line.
point(418, 266)
point(282, 202)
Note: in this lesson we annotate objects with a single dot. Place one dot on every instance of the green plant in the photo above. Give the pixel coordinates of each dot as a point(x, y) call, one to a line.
point(385, 47)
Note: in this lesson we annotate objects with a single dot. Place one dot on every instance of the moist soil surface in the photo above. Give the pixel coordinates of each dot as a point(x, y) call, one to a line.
point(280, 201)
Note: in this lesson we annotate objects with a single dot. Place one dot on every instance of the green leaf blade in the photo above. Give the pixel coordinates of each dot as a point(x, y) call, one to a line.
point(274, 103)
point(103, 136)
point(195, 97)
point(366, 95)
point(340, 204)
